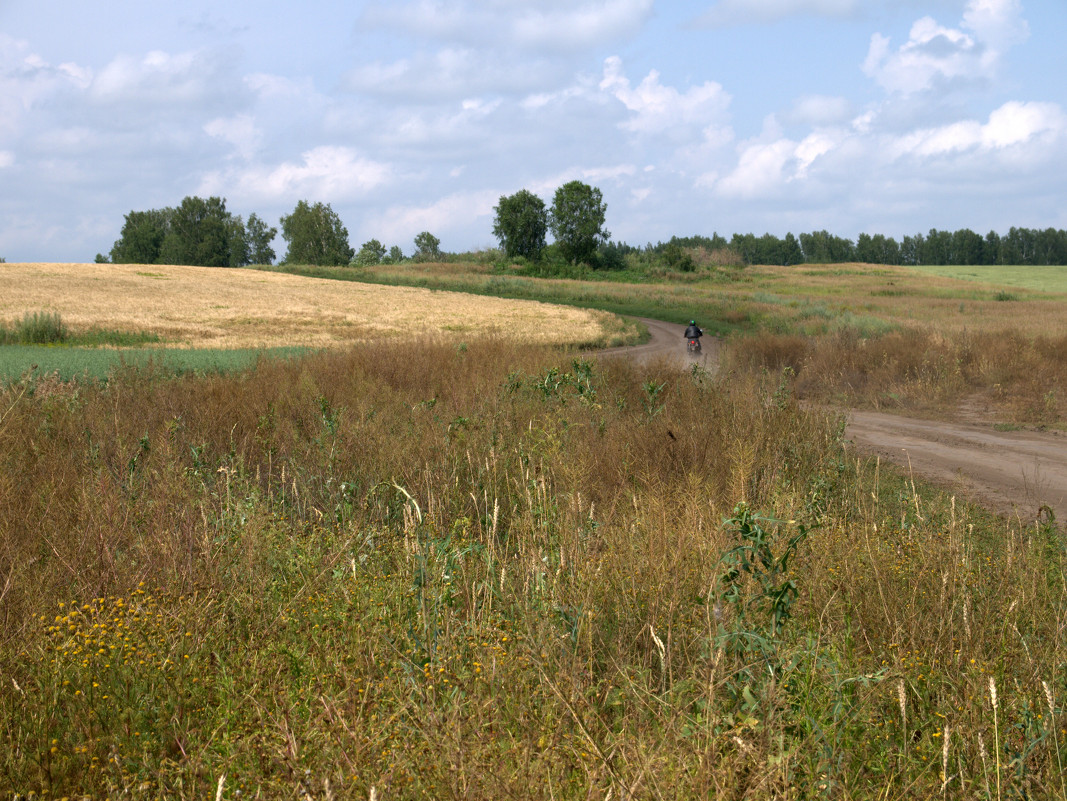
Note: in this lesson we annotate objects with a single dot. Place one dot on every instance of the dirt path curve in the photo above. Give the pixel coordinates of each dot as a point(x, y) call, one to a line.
point(1011, 472)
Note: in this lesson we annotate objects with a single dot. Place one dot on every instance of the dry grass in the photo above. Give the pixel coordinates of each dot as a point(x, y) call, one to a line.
point(420, 571)
point(1015, 378)
point(221, 308)
point(899, 296)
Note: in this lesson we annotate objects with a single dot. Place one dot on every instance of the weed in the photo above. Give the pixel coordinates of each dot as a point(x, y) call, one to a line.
point(309, 579)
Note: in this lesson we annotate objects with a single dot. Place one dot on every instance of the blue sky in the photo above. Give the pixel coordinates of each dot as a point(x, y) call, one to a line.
point(878, 116)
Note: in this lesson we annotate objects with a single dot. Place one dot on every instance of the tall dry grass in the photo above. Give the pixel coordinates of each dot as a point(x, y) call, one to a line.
point(480, 571)
point(1015, 377)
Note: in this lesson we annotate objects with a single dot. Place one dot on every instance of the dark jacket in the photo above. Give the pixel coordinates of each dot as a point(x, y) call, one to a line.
point(693, 332)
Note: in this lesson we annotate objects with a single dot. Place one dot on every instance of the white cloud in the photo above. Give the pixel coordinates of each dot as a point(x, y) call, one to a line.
point(1013, 124)
point(655, 108)
point(551, 25)
point(328, 173)
point(812, 147)
point(199, 79)
point(999, 23)
point(240, 131)
point(7, 158)
point(580, 27)
point(761, 170)
point(449, 73)
point(27, 80)
point(935, 55)
point(819, 111)
point(740, 12)
point(400, 223)
point(272, 87)
point(614, 173)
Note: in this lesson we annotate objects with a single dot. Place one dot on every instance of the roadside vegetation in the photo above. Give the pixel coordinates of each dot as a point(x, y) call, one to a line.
point(856, 335)
point(484, 570)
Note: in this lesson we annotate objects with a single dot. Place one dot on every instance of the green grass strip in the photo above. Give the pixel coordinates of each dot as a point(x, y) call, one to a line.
point(98, 363)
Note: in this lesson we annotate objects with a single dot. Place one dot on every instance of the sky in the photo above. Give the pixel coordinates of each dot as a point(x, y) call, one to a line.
point(728, 116)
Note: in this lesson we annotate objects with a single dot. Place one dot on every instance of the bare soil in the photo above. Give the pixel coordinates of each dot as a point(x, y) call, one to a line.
point(1013, 473)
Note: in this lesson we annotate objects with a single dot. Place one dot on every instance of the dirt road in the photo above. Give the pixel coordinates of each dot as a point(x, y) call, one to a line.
point(1011, 472)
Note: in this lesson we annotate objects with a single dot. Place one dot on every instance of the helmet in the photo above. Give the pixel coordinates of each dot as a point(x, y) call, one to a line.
point(692, 322)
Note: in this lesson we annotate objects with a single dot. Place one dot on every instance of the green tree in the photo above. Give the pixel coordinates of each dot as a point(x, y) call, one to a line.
point(141, 240)
point(577, 221)
point(315, 236)
point(520, 225)
point(791, 252)
point(240, 252)
point(396, 255)
point(427, 247)
point(259, 236)
point(371, 252)
point(200, 233)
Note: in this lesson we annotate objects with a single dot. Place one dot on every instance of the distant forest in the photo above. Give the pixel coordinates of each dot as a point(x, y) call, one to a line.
point(1022, 246)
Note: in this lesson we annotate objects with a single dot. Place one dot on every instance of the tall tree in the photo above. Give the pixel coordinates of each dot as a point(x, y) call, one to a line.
point(577, 221)
point(315, 236)
point(199, 233)
point(520, 225)
point(259, 236)
point(141, 240)
point(791, 252)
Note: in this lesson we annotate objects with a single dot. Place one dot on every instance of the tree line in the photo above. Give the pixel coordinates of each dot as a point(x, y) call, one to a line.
point(576, 219)
point(1020, 246)
point(203, 232)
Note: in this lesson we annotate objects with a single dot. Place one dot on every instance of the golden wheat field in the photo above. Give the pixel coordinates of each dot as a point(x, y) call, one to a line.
point(232, 308)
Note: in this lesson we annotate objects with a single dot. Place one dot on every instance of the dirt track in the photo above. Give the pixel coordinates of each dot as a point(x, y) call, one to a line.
point(1011, 472)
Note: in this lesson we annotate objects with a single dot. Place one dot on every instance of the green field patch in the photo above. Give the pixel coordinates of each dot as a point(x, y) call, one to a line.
point(1039, 278)
point(98, 363)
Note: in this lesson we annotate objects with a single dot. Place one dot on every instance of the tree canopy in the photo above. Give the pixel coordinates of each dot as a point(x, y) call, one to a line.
point(427, 247)
point(315, 236)
point(520, 224)
point(371, 252)
point(199, 232)
point(141, 240)
point(577, 221)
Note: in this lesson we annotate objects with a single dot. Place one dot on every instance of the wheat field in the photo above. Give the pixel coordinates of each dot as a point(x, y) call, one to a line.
point(231, 308)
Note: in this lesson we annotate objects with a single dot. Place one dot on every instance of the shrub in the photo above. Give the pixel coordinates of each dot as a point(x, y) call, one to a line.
point(41, 328)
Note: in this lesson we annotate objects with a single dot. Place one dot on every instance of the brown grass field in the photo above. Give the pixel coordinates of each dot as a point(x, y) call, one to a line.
point(220, 308)
point(408, 570)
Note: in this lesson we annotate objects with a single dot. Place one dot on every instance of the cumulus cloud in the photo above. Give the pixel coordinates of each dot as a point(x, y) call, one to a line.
point(240, 131)
point(740, 12)
point(765, 166)
point(402, 222)
point(939, 56)
point(655, 108)
point(761, 169)
point(27, 80)
point(201, 79)
point(1011, 125)
point(328, 172)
